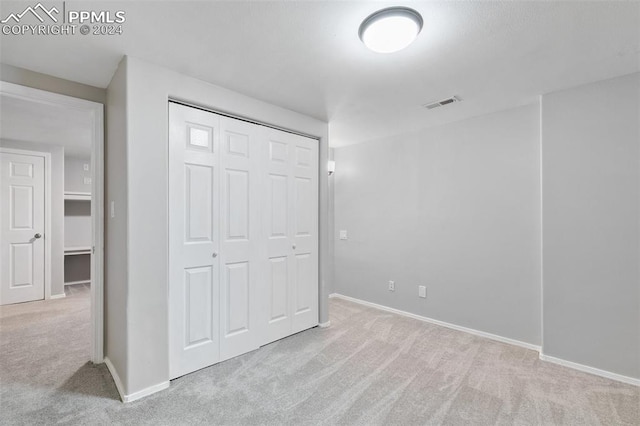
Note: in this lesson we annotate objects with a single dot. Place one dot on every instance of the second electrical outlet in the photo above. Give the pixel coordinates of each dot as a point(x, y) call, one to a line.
point(392, 286)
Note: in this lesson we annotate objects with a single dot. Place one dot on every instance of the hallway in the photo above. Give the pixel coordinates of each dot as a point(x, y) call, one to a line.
point(44, 358)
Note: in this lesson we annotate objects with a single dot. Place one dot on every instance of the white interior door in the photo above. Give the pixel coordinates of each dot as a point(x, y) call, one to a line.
point(194, 289)
point(22, 222)
point(241, 237)
point(291, 234)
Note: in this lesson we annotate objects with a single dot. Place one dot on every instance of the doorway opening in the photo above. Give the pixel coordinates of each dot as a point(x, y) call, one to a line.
point(52, 202)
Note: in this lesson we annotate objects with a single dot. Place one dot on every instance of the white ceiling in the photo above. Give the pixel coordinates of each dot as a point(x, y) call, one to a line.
point(306, 56)
point(28, 121)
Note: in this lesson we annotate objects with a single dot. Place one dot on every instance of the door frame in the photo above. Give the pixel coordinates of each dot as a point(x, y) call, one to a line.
point(47, 210)
point(96, 111)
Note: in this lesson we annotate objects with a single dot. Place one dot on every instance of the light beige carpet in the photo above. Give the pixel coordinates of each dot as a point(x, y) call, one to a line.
point(370, 367)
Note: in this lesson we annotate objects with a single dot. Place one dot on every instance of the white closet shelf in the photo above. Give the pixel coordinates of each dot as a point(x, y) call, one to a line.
point(78, 196)
point(78, 282)
point(71, 251)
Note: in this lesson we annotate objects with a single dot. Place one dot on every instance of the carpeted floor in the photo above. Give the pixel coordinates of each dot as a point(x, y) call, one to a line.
point(369, 367)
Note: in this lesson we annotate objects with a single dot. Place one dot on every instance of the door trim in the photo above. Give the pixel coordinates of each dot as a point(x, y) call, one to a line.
point(47, 212)
point(249, 120)
point(96, 110)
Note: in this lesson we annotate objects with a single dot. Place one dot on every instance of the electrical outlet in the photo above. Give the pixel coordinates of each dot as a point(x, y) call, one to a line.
point(392, 286)
point(343, 234)
point(87, 181)
point(422, 291)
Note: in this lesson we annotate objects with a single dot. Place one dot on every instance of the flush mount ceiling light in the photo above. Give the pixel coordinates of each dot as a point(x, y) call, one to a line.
point(391, 29)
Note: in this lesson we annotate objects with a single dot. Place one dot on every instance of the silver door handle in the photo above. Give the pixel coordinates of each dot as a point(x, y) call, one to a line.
point(37, 236)
point(214, 254)
point(293, 246)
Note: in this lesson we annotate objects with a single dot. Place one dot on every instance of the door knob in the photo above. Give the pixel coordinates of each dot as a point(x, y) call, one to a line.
point(214, 254)
point(37, 236)
point(293, 246)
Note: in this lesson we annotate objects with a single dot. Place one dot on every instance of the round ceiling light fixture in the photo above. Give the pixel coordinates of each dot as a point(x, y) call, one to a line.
point(391, 29)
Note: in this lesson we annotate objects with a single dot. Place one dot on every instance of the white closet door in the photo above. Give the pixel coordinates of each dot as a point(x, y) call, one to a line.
point(241, 237)
point(291, 232)
point(194, 159)
point(22, 216)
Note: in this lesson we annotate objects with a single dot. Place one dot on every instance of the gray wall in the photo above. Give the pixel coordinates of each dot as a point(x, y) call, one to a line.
point(455, 208)
point(116, 249)
point(74, 174)
point(591, 227)
point(57, 207)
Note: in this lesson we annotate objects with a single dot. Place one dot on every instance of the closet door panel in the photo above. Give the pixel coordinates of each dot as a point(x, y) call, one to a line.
point(277, 227)
point(303, 288)
point(193, 238)
point(277, 237)
point(236, 205)
point(291, 224)
point(240, 247)
point(198, 300)
point(237, 292)
point(305, 233)
point(198, 213)
point(278, 286)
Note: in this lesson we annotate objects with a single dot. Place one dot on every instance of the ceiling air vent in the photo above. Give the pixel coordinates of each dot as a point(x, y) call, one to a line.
point(443, 102)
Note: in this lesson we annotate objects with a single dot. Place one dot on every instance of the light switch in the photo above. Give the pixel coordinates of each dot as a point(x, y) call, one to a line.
point(343, 234)
point(85, 167)
point(112, 209)
point(422, 291)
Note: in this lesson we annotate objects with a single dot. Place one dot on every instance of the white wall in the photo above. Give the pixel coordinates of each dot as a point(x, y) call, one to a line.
point(591, 224)
point(455, 208)
point(74, 174)
point(144, 95)
point(77, 224)
point(57, 207)
point(116, 250)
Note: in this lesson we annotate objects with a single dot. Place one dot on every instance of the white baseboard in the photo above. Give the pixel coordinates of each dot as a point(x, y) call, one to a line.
point(324, 324)
point(145, 392)
point(115, 376)
point(136, 395)
point(441, 323)
point(590, 370)
point(569, 364)
point(58, 296)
